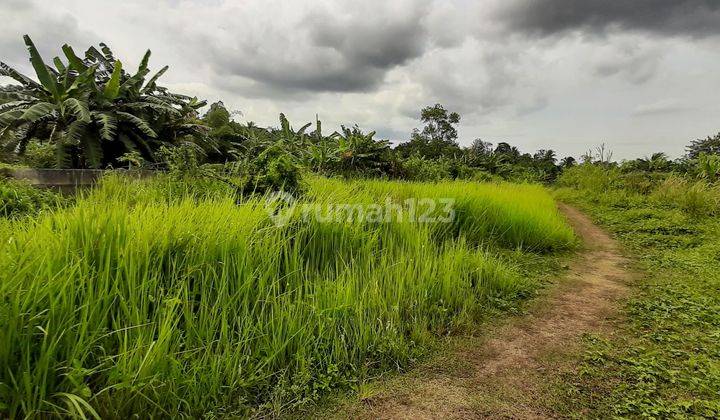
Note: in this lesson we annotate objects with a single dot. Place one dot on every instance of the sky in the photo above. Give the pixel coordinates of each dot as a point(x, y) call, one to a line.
point(640, 76)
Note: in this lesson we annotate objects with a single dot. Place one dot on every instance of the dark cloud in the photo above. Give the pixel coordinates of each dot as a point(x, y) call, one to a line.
point(382, 44)
point(330, 53)
point(695, 18)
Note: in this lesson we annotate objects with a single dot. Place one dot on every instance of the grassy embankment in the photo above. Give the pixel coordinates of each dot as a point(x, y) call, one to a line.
point(665, 361)
point(163, 298)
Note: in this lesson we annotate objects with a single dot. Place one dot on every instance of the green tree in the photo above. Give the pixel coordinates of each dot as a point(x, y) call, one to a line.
point(568, 162)
point(510, 154)
point(360, 154)
point(709, 146)
point(480, 148)
point(217, 116)
point(226, 135)
point(437, 138)
point(92, 110)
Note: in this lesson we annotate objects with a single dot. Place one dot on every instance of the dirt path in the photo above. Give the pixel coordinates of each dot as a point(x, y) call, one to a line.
point(511, 373)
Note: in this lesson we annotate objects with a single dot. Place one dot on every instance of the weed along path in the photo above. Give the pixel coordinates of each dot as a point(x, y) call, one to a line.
point(512, 371)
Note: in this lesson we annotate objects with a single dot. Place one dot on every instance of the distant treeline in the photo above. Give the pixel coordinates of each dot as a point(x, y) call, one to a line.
point(90, 112)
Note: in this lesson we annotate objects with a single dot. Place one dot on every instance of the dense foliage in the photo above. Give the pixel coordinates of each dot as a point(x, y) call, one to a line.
point(18, 199)
point(93, 111)
point(90, 112)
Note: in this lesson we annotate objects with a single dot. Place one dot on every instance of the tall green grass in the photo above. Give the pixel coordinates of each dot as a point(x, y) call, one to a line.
point(150, 298)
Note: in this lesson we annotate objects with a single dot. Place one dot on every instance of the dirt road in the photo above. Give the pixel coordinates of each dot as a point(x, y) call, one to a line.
point(509, 374)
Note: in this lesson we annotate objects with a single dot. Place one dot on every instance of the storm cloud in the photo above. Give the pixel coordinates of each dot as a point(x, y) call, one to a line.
point(330, 51)
point(561, 74)
point(694, 18)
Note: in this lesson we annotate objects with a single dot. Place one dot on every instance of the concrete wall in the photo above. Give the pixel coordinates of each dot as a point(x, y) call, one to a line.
point(65, 180)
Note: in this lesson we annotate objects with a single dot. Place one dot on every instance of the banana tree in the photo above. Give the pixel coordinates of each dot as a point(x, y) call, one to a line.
point(708, 167)
point(361, 153)
point(93, 110)
point(322, 152)
point(55, 107)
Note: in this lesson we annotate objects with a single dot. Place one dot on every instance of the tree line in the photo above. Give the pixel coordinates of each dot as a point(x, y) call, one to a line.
point(90, 112)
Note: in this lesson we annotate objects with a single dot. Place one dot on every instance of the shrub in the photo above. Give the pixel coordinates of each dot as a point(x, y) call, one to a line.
point(640, 182)
point(40, 155)
point(590, 177)
point(272, 170)
point(708, 167)
point(696, 198)
point(181, 161)
point(18, 199)
point(417, 168)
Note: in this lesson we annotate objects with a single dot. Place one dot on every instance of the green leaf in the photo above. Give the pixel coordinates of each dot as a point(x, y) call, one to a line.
point(59, 65)
point(92, 151)
point(144, 62)
point(129, 145)
point(8, 71)
point(37, 111)
point(93, 53)
point(136, 142)
point(302, 129)
point(77, 130)
point(153, 106)
point(135, 82)
point(85, 81)
point(10, 117)
point(284, 124)
point(53, 73)
point(107, 52)
point(152, 84)
point(75, 62)
point(112, 88)
point(41, 69)
point(108, 125)
point(63, 155)
point(8, 106)
point(139, 123)
point(79, 108)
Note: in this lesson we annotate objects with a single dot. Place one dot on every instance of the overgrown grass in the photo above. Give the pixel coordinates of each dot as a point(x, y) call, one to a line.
point(157, 299)
point(665, 362)
point(18, 199)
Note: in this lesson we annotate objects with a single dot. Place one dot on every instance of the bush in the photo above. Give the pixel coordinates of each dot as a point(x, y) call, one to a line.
point(181, 161)
point(18, 199)
point(708, 167)
point(417, 168)
point(40, 155)
point(640, 182)
point(696, 198)
point(590, 177)
point(272, 170)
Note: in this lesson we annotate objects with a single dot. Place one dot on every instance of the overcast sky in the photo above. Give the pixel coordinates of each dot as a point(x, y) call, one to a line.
point(640, 75)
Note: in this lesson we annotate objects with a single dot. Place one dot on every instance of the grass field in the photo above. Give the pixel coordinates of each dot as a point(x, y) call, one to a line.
point(165, 299)
point(662, 362)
